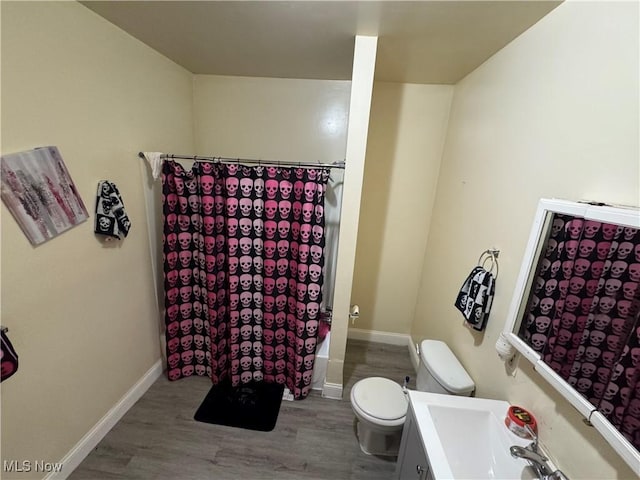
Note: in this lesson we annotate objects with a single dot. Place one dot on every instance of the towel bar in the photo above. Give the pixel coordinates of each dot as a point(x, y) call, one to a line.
point(490, 254)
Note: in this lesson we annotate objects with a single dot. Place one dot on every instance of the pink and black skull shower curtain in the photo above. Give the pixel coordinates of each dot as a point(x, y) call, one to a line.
point(243, 271)
point(583, 316)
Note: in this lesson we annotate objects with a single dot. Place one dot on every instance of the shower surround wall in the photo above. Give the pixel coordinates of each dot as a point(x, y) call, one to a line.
point(271, 118)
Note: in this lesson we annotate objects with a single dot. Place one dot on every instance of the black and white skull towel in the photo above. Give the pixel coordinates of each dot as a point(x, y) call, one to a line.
point(475, 298)
point(111, 218)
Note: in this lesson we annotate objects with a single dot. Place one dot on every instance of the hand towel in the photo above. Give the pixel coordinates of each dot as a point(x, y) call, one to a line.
point(111, 218)
point(155, 162)
point(8, 358)
point(475, 298)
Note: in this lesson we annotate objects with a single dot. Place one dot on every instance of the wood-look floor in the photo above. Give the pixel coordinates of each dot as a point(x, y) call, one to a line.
point(313, 438)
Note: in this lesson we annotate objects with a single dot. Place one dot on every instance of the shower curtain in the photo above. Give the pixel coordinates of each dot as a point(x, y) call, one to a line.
point(584, 316)
point(243, 269)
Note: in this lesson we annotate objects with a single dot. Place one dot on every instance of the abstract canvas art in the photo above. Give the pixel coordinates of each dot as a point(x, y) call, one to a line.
point(38, 191)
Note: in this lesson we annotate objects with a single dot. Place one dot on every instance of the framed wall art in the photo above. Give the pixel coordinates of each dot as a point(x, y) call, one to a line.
point(40, 194)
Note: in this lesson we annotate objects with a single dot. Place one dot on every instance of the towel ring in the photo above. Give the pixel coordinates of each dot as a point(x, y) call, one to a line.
point(492, 256)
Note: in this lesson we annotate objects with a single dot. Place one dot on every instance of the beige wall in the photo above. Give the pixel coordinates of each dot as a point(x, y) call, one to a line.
point(81, 314)
point(271, 118)
point(406, 136)
point(554, 114)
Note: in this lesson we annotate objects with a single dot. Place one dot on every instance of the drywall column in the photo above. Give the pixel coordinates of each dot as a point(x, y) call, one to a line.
point(364, 61)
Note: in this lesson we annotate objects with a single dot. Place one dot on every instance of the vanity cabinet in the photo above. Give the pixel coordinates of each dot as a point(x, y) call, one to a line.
point(412, 458)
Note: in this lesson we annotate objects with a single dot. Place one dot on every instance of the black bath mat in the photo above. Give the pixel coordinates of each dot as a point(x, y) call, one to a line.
point(253, 405)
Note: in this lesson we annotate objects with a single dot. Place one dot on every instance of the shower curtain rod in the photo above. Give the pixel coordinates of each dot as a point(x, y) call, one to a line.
point(171, 156)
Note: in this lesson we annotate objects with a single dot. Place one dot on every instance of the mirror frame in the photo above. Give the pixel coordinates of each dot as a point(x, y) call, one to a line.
point(627, 216)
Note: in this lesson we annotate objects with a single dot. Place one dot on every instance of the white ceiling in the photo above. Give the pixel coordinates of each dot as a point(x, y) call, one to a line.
point(431, 42)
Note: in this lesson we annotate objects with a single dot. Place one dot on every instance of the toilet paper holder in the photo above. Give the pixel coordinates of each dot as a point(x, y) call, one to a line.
point(354, 313)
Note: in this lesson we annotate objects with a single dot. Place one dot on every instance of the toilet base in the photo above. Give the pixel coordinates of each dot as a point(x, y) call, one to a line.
point(378, 443)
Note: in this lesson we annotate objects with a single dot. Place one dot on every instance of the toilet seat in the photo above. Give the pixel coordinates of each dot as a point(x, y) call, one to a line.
point(380, 401)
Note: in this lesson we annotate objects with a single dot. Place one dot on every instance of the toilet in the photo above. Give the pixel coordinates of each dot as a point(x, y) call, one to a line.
point(380, 404)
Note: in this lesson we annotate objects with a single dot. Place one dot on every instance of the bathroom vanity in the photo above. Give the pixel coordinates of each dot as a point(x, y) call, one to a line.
point(412, 458)
point(447, 436)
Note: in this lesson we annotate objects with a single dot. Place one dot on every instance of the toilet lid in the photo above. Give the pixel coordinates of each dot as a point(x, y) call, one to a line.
point(381, 398)
point(445, 367)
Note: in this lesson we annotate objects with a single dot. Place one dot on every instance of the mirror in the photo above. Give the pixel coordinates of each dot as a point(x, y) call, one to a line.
point(575, 313)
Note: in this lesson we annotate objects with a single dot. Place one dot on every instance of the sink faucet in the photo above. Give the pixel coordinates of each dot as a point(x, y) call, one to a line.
point(537, 461)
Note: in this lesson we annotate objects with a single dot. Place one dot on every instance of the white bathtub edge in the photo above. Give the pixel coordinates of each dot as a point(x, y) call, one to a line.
point(321, 362)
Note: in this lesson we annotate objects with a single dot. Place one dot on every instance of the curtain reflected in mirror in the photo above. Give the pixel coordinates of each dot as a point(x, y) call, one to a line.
point(582, 314)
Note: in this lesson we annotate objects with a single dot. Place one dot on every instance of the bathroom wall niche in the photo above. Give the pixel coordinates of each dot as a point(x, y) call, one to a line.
point(575, 313)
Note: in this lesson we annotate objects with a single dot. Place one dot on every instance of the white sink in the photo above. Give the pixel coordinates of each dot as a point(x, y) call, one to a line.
point(466, 438)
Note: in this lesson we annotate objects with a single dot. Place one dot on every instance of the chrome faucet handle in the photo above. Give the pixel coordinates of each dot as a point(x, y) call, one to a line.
point(534, 437)
point(557, 475)
point(537, 461)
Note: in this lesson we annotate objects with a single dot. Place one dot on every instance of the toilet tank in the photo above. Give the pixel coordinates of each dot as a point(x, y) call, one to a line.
point(440, 371)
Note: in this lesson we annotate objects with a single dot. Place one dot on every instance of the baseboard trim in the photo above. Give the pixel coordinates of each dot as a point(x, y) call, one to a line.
point(87, 443)
point(332, 390)
point(377, 336)
point(389, 338)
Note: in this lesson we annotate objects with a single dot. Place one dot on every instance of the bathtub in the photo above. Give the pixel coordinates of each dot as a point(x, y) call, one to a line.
point(320, 367)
